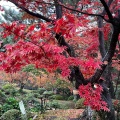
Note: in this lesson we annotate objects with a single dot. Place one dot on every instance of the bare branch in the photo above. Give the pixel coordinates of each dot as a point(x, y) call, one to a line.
point(31, 13)
point(89, 14)
point(108, 56)
point(107, 9)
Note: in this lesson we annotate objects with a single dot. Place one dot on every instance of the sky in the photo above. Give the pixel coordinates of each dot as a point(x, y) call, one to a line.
point(8, 5)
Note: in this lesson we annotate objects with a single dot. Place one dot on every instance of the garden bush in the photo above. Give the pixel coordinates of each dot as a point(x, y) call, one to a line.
point(48, 93)
point(41, 90)
point(2, 97)
point(12, 114)
point(9, 89)
point(71, 97)
point(32, 104)
point(36, 106)
point(53, 104)
point(63, 91)
point(79, 104)
point(56, 97)
point(7, 86)
point(36, 95)
point(29, 98)
point(29, 115)
point(11, 103)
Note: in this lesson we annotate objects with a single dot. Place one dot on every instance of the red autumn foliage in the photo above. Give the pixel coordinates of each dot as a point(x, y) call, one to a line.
point(44, 49)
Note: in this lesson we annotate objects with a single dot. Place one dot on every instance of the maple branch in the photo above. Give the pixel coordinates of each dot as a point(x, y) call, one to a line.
point(110, 52)
point(112, 46)
point(107, 72)
point(107, 98)
point(100, 33)
point(107, 9)
point(101, 37)
point(75, 71)
point(2, 47)
point(30, 12)
point(58, 9)
point(75, 74)
point(89, 14)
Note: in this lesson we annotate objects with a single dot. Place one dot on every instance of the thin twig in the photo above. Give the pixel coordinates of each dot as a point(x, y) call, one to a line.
point(89, 14)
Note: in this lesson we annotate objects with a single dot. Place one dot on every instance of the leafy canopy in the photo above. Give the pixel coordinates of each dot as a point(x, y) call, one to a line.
point(65, 39)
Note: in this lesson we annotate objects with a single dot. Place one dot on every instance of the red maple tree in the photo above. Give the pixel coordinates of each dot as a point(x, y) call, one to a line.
point(68, 39)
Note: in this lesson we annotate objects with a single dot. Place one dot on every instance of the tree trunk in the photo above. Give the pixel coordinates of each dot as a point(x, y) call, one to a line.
point(21, 87)
point(107, 98)
point(108, 79)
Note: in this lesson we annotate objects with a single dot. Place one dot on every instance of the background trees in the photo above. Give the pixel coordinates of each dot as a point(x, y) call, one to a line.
point(68, 40)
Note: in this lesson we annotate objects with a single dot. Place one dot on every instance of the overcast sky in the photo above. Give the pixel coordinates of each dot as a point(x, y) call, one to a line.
point(6, 4)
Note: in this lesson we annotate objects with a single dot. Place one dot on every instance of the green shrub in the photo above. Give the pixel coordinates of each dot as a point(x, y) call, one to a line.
point(41, 90)
point(79, 104)
point(48, 93)
point(64, 91)
point(29, 98)
point(53, 104)
point(7, 86)
point(22, 91)
point(36, 95)
point(12, 114)
point(30, 115)
point(71, 97)
point(33, 95)
point(31, 103)
point(9, 89)
point(36, 106)
point(11, 103)
point(18, 94)
point(2, 97)
point(56, 97)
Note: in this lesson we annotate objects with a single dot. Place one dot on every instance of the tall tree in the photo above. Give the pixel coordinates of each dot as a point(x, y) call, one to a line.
point(68, 41)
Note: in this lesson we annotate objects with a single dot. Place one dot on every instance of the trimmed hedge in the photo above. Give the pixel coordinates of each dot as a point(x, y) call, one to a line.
point(56, 97)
